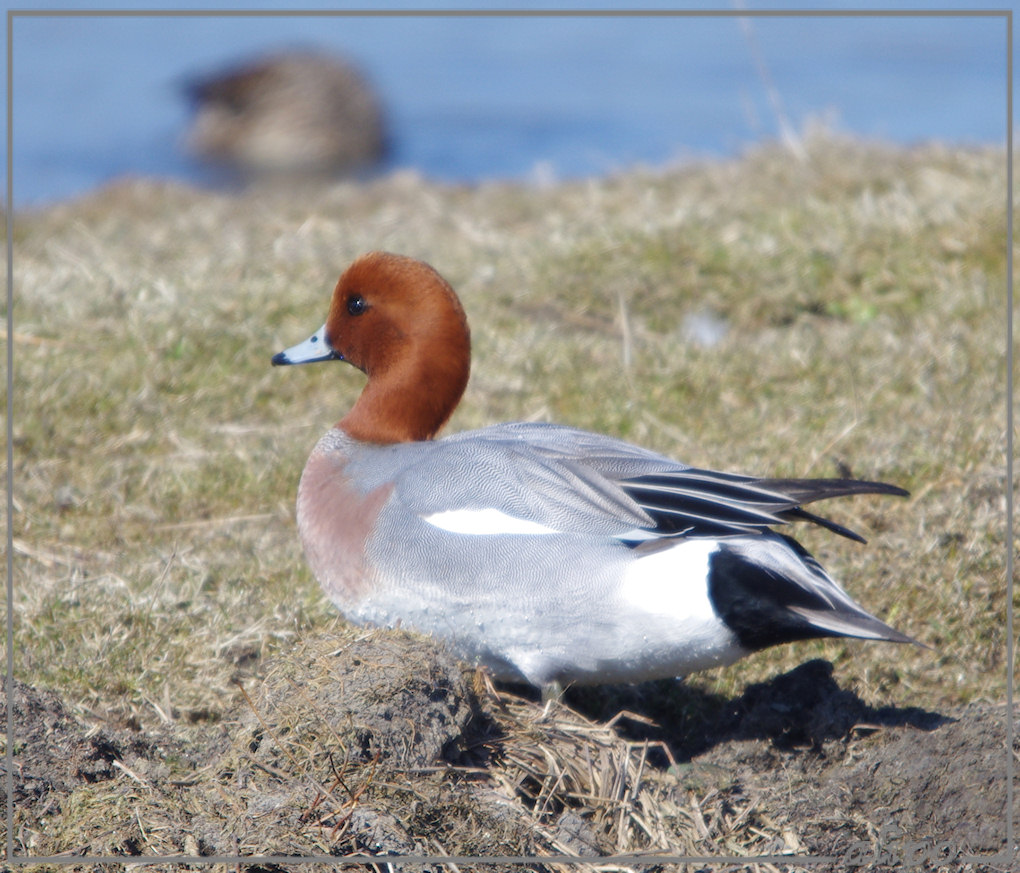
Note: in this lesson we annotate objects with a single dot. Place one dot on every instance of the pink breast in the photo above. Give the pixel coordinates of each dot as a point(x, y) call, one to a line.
point(335, 520)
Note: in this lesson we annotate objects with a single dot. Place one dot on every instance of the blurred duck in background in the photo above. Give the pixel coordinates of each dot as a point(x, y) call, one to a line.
point(291, 115)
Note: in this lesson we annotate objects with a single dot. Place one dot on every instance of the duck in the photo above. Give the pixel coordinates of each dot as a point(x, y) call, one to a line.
point(544, 554)
point(288, 115)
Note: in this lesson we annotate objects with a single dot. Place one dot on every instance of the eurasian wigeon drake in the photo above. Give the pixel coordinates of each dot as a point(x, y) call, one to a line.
point(545, 553)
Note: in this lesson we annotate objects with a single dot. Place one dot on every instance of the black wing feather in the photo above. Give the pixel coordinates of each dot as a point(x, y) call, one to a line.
point(695, 502)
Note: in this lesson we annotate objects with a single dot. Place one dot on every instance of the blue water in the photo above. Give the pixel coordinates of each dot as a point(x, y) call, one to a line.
point(473, 98)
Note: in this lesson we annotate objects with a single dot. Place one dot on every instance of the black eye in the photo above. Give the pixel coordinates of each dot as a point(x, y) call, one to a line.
point(356, 304)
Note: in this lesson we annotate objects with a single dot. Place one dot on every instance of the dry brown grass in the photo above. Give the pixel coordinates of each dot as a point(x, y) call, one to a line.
point(156, 452)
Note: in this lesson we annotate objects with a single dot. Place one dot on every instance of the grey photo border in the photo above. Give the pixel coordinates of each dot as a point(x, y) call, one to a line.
point(641, 859)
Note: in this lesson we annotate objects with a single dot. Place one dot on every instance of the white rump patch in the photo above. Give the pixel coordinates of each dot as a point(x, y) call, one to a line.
point(484, 522)
point(673, 582)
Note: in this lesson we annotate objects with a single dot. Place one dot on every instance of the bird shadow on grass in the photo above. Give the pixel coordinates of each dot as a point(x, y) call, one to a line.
point(803, 708)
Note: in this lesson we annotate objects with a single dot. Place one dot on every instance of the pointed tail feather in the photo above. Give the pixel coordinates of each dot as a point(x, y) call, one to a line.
point(861, 626)
point(808, 490)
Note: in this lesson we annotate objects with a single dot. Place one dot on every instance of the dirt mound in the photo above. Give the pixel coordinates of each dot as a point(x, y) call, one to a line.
point(935, 794)
point(379, 743)
point(384, 697)
point(903, 785)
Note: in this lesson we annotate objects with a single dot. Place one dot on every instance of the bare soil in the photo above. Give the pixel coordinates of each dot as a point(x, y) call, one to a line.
point(381, 744)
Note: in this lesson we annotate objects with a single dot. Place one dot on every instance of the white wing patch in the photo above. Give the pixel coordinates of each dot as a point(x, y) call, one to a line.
point(484, 522)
